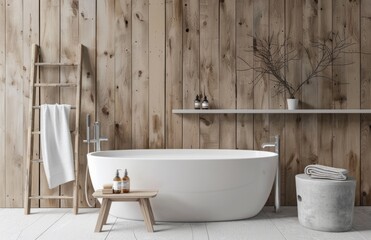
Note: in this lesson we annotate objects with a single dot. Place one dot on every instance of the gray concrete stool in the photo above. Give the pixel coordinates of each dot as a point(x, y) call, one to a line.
point(325, 205)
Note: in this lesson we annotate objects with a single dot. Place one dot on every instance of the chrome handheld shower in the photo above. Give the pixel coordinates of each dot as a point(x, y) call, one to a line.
point(97, 140)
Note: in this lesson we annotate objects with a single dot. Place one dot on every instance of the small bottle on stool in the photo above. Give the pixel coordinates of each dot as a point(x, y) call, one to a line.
point(117, 182)
point(126, 183)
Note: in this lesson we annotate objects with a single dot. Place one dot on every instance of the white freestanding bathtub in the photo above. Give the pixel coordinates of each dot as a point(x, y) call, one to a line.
point(193, 185)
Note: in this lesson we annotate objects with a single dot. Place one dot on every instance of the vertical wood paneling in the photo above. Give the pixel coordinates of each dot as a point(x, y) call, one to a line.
point(14, 100)
point(227, 80)
point(245, 87)
point(324, 10)
point(105, 70)
point(365, 102)
point(122, 74)
point(2, 103)
point(156, 55)
point(261, 85)
point(346, 149)
point(293, 122)
point(49, 43)
point(191, 72)
point(68, 53)
point(156, 73)
point(324, 125)
point(30, 36)
point(309, 97)
point(277, 100)
point(209, 70)
point(174, 82)
point(87, 35)
point(140, 74)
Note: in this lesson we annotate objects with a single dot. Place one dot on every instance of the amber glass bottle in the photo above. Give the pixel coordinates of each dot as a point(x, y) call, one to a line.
point(117, 183)
point(126, 183)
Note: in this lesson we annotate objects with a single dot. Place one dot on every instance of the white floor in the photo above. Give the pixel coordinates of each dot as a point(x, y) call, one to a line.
point(62, 224)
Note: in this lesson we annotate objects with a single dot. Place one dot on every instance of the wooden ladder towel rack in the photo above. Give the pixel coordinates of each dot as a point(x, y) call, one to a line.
point(35, 83)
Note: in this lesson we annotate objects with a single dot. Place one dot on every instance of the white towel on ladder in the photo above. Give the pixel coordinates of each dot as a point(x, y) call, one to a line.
point(56, 146)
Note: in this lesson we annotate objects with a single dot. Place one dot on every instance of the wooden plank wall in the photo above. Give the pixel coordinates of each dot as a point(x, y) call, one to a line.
point(69, 23)
point(143, 58)
point(209, 71)
point(2, 102)
point(13, 111)
point(31, 26)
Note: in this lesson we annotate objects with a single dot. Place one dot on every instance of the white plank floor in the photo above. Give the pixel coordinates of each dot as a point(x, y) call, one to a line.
point(62, 224)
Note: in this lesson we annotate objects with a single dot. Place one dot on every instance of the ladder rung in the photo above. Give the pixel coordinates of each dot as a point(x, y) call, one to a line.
point(38, 107)
point(55, 85)
point(37, 160)
point(38, 132)
point(51, 197)
point(55, 64)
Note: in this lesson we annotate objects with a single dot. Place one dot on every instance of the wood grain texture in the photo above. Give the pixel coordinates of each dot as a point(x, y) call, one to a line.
point(140, 81)
point(309, 97)
point(365, 161)
point(245, 79)
point(191, 71)
point(262, 95)
point(209, 70)
point(105, 81)
point(30, 36)
point(31, 125)
point(227, 71)
point(324, 88)
point(87, 36)
point(2, 102)
point(14, 99)
point(151, 36)
point(105, 70)
point(174, 81)
point(261, 84)
point(277, 100)
point(68, 54)
point(346, 151)
point(156, 73)
point(365, 102)
point(49, 45)
point(294, 23)
point(123, 74)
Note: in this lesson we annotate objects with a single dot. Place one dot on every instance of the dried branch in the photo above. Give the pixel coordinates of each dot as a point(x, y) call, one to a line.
point(273, 58)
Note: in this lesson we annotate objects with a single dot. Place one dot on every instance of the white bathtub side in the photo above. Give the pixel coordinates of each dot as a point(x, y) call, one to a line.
point(192, 190)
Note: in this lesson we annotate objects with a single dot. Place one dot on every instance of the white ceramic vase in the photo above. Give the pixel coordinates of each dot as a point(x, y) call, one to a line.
point(292, 103)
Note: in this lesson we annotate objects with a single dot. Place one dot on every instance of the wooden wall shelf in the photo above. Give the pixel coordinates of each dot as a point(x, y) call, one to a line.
point(272, 111)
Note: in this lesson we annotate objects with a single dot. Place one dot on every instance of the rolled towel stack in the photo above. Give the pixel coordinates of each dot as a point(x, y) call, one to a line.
point(325, 172)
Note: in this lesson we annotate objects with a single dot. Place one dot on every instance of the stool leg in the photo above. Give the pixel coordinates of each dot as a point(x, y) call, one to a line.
point(107, 212)
point(146, 216)
point(148, 203)
point(102, 213)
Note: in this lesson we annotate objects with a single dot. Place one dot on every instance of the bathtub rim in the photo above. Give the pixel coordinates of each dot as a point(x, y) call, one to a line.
point(106, 154)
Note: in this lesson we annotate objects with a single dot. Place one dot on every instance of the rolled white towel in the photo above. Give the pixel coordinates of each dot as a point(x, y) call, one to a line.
point(325, 172)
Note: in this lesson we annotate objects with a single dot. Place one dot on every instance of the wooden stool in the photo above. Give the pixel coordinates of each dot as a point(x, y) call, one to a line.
point(134, 196)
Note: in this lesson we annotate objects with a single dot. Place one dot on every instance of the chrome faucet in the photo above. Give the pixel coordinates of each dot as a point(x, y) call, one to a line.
point(276, 145)
point(97, 138)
